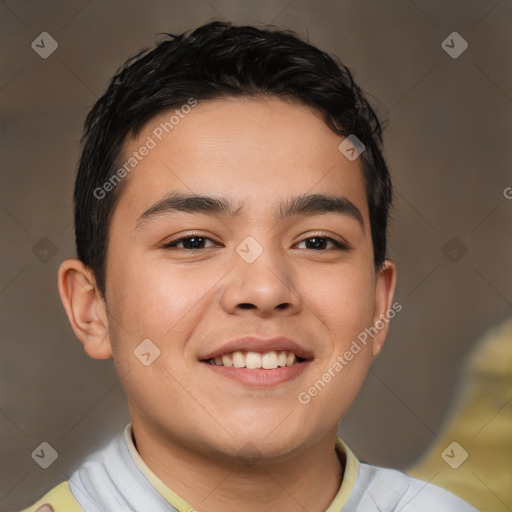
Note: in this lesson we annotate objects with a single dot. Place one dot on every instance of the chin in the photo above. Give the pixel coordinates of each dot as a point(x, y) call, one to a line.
point(267, 441)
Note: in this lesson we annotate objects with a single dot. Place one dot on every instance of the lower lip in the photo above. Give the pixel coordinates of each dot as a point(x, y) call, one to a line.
point(259, 377)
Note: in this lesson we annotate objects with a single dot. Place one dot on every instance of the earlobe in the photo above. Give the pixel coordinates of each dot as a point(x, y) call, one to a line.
point(85, 308)
point(384, 293)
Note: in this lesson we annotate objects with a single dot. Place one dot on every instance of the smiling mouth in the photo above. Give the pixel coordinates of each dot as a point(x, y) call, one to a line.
point(270, 360)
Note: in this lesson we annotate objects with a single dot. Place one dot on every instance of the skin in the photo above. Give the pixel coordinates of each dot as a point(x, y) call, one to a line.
point(219, 444)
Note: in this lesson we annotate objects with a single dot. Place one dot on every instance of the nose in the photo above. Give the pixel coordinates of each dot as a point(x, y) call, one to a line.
point(265, 287)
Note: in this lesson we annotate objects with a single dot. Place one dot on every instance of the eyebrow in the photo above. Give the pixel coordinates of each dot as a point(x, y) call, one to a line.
point(305, 204)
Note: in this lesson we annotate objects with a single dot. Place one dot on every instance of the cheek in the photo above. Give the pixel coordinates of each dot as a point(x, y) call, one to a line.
point(149, 296)
point(343, 299)
point(344, 305)
point(160, 301)
point(149, 302)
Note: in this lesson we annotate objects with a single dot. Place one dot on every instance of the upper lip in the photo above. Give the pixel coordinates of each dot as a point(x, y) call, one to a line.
point(254, 344)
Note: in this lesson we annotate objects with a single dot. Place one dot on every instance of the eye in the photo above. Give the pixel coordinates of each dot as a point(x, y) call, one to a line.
point(195, 242)
point(318, 243)
point(189, 242)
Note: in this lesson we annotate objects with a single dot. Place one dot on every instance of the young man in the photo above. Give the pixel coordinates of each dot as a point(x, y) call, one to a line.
point(231, 208)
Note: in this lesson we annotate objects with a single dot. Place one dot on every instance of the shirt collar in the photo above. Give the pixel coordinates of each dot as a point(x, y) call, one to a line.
point(346, 455)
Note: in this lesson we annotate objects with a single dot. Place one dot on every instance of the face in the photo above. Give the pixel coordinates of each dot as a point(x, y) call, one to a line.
point(252, 278)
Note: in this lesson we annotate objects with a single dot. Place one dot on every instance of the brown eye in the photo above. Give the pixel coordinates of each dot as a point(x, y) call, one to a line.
point(319, 243)
point(189, 242)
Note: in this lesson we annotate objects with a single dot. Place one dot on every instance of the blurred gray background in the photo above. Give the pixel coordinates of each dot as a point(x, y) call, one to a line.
point(448, 146)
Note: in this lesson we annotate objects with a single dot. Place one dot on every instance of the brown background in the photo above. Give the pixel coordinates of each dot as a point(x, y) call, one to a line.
point(448, 146)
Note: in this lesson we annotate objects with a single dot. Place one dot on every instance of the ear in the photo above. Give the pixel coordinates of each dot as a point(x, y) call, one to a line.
point(85, 307)
point(384, 292)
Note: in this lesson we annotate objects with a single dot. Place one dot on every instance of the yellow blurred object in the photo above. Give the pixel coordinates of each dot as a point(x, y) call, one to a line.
point(59, 499)
point(473, 455)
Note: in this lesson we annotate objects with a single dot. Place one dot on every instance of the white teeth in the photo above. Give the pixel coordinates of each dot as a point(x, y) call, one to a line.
point(269, 360)
point(281, 358)
point(238, 359)
point(253, 360)
point(227, 360)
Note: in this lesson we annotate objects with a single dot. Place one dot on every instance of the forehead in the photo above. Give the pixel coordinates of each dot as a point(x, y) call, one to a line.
point(256, 150)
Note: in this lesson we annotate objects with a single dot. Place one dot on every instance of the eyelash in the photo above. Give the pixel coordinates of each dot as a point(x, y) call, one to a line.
point(337, 245)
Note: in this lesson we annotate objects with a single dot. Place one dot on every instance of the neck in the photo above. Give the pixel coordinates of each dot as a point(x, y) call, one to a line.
point(307, 481)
